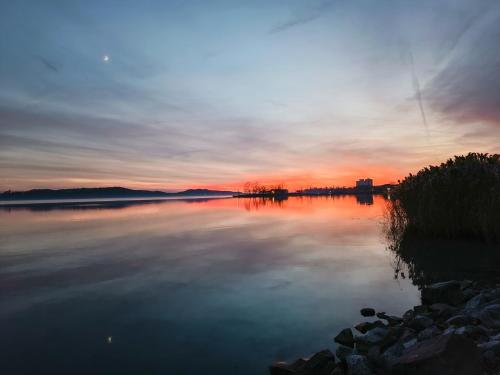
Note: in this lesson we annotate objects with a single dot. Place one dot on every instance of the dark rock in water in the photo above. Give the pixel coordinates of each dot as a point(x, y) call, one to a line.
point(380, 336)
point(367, 311)
point(442, 355)
point(448, 292)
point(321, 363)
point(366, 326)
point(459, 320)
point(343, 351)
point(345, 337)
point(357, 365)
point(490, 316)
point(420, 322)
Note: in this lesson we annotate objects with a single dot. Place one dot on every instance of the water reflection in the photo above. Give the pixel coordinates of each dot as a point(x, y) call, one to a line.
point(426, 261)
point(184, 285)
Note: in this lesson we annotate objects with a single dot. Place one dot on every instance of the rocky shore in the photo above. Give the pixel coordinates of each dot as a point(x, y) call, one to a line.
point(455, 331)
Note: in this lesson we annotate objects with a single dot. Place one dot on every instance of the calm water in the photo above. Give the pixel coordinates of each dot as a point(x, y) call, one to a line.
point(219, 286)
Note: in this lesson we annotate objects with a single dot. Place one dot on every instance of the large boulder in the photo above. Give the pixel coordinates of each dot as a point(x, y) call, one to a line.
point(420, 322)
point(442, 355)
point(345, 337)
point(449, 292)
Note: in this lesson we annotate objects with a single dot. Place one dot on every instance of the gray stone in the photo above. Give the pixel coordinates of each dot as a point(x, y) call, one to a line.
point(459, 320)
point(441, 355)
point(391, 355)
point(345, 337)
point(490, 316)
point(409, 315)
point(428, 333)
point(357, 365)
point(493, 345)
point(391, 319)
point(367, 311)
point(476, 302)
point(442, 310)
point(343, 351)
point(474, 332)
point(366, 326)
point(420, 322)
point(448, 292)
point(379, 336)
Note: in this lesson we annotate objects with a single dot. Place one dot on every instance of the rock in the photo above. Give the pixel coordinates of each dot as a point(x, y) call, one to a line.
point(465, 284)
point(441, 355)
point(367, 311)
point(490, 316)
point(459, 320)
point(357, 365)
point(392, 354)
point(421, 309)
point(409, 315)
point(420, 322)
point(473, 332)
point(281, 368)
point(442, 310)
point(345, 337)
point(493, 345)
point(448, 292)
point(366, 326)
point(476, 302)
point(321, 363)
point(343, 351)
point(391, 319)
point(380, 336)
point(428, 333)
point(490, 359)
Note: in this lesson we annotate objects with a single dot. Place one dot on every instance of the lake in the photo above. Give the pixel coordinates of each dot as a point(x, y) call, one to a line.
point(213, 286)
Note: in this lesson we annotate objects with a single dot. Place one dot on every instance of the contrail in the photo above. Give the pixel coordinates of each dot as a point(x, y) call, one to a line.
point(418, 93)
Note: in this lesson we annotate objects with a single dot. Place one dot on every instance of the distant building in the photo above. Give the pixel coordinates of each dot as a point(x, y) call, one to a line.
point(364, 183)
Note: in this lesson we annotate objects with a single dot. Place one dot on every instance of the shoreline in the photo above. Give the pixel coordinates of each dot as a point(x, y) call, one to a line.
point(455, 331)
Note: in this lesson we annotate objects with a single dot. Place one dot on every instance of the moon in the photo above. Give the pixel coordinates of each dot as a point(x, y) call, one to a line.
point(105, 58)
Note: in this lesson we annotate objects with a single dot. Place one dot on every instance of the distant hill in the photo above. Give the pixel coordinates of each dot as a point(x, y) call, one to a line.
point(106, 192)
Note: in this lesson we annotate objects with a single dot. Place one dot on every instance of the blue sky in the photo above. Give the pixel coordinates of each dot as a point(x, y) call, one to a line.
point(216, 93)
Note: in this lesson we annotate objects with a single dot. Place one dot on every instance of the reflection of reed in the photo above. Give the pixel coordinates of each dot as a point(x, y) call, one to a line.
point(428, 260)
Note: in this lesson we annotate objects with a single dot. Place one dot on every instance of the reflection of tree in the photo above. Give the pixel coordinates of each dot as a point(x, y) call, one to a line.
point(254, 204)
point(429, 260)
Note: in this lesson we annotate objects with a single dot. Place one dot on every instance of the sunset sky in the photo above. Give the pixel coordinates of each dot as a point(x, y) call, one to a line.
point(177, 94)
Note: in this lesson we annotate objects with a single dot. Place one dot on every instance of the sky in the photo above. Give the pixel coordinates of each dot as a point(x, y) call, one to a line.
point(170, 95)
